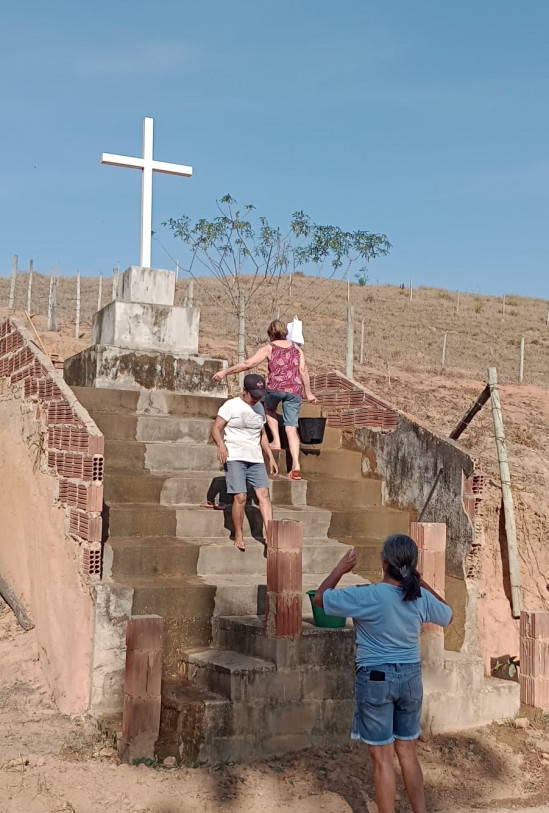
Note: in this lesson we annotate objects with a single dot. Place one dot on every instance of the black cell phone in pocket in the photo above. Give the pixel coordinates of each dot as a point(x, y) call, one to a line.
point(376, 675)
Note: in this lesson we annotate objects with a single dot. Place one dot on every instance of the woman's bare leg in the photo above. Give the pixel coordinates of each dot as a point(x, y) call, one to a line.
point(272, 422)
point(384, 777)
point(295, 445)
point(406, 751)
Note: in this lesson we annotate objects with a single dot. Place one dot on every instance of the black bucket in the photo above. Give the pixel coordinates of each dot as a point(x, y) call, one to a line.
point(311, 430)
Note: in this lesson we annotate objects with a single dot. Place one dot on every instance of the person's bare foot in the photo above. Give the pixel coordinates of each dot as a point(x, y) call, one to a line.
point(239, 544)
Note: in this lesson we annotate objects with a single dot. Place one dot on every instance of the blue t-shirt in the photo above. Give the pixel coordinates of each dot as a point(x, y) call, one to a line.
point(386, 627)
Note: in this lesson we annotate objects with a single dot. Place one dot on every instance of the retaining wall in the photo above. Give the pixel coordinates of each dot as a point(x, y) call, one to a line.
point(51, 460)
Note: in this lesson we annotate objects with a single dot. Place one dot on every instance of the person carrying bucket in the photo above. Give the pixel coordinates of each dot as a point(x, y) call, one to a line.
point(388, 688)
point(288, 383)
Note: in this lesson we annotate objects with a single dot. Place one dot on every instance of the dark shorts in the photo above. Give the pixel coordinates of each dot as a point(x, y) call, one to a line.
point(390, 709)
point(290, 405)
point(240, 474)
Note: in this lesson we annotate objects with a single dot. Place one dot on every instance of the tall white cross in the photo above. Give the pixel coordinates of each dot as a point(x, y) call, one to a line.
point(147, 165)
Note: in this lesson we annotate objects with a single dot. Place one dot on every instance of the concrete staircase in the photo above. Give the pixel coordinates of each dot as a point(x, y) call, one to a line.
point(177, 556)
point(228, 691)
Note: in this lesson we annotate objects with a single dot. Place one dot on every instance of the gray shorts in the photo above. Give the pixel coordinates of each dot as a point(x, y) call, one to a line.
point(239, 474)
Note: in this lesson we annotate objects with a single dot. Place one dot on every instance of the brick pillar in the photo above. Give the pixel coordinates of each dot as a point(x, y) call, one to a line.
point(534, 659)
point(142, 684)
point(283, 612)
point(430, 537)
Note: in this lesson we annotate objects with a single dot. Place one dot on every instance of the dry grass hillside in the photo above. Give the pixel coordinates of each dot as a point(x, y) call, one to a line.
point(402, 353)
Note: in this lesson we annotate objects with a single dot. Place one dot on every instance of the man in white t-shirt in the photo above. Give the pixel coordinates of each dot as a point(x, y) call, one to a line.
point(242, 420)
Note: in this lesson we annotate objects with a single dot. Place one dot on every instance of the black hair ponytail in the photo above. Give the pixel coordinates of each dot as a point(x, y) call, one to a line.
point(400, 553)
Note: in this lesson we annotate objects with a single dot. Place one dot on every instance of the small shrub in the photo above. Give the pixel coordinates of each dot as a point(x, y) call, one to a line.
point(479, 305)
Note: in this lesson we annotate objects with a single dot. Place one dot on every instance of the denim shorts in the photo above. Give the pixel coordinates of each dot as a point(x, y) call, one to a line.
point(390, 709)
point(290, 405)
point(239, 474)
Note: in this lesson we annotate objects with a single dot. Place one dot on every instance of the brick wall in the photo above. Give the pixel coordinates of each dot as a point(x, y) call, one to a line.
point(348, 405)
point(71, 447)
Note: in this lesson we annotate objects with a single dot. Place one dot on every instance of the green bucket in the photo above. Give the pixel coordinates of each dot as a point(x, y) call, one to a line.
point(320, 617)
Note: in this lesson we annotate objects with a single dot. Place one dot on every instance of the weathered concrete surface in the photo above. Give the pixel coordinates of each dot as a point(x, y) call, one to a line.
point(155, 286)
point(408, 460)
point(113, 607)
point(257, 696)
point(125, 369)
point(141, 326)
point(39, 560)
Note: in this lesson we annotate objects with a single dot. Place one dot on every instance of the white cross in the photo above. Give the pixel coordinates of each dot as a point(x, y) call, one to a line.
point(147, 165)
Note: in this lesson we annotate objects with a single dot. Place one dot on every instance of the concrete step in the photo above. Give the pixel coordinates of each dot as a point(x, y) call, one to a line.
point(320, 556)
point(141, 519)
point(159, 457)
point(245, 595)
point(127, 486)
point(317, 647)
point(339, 493)
point(169, 556)
point(150, 519)
point(97, 400)
point(153, 428)
point(376, 522)
point(239, 678)
point(194, 487)
point(331, 463)
point(186, 605)
point(202, 522)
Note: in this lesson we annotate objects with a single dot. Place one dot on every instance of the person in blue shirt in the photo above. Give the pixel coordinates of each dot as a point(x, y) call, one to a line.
point(388, 689)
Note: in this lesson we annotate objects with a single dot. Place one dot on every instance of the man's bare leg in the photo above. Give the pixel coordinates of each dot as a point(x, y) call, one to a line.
point(239, 505)
point(412, 775)
point(265, 508)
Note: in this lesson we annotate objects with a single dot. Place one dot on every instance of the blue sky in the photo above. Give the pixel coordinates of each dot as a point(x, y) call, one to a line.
point(426, 120)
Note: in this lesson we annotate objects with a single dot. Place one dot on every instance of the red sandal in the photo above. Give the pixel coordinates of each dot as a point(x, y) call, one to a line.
point(295, 475)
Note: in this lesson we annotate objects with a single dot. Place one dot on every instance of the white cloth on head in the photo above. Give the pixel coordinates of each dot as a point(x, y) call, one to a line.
point(243, 429)
point(295, 331)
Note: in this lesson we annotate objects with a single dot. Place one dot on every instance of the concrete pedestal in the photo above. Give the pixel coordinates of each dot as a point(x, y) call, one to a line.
point(142, 342)
point(148, 327)
point(126, 369)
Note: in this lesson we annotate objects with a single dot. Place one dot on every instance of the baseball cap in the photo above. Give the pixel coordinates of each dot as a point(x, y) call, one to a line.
point(255, 385)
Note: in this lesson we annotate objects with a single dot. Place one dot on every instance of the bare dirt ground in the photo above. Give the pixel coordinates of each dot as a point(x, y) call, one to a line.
point(50, 763)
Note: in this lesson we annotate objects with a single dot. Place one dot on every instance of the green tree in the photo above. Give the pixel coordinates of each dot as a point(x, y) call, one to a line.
point(245, 253)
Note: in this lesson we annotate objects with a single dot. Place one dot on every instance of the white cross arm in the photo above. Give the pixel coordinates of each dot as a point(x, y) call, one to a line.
point(122, 161)
point(172, 169)
point(140, 163)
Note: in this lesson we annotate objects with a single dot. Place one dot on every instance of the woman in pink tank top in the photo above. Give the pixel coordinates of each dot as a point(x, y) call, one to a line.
point(287, 383)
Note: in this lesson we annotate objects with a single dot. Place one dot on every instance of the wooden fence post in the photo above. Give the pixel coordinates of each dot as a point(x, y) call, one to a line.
point(241, 335)
point(521, 361)
point(362, 341)
point(349, 345)
point(77, 320)
point(11, 303)
point(115, 283)
point(443, 359)
point(284, 605)
point(142, 687)
point(507, 494)
point(100, 292)
point(29, 290)
point(52, 317)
